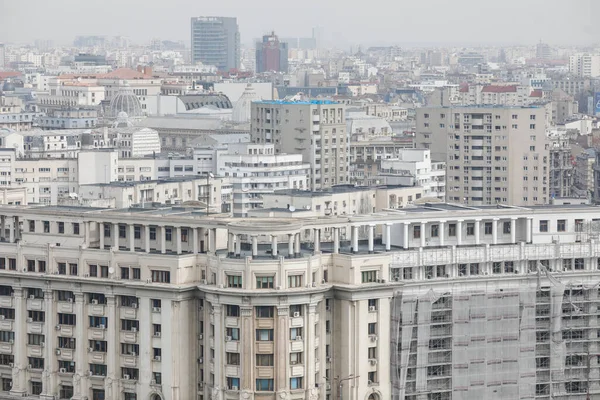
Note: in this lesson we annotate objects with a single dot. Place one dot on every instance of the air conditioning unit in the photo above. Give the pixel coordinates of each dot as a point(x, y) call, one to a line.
point(200, 336)
point(134, 329)
point(102, 326)
point(31, 296)
point(293, 362)
point(329, 359)
point(201, 308)
point(372, 308)
point(298, 337)
point(29, 319)
point(157, 358)
point(57, 327)
point(95, 301)
point(228, 338)
point(369, 383)
point(328, 386)
point(235, 388)
point(373, 362)
point(373, 338)
point(126, 377)
point(62, 370)
point(134, 305)
point(42, 344)
point(156, 309)
point(70, 300)
point(156, 334)
point(57, 352)
point(201, 385)
point(200, 360)
point(2, 317)
point(90, 349)
point(296, 314)
point(133, 353)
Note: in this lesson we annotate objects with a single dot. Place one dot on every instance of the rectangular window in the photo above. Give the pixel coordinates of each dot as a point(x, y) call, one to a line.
point(161, 276)
point(168, 234)
point(544, 226)
point(233, 358)
point(62, 268)
point(107, 230)
point(46, 226)
point(152, 233)
point(264, 311)
point(75, 227)
point(561, 225)
point(372, 328)
point(264, 282)
point(295, 281)
point(234, 281)
point(296, 334)
point(35, 340)
point(122, 231)
point(31, 226)
point(296, 383)
point(264, 385)
point(98, 370)
point(296, 358)
point(233, 383)
point(470, 228)
point(233, 333)
point(264, 360)
point(417, 232)
point(435, 230)
point(61, 227)
point(488, 226)
point(37, 316)
point(506, 228)
point(66, 319)
point(369, 276)
point(264, 335)
point(451, 229)
point(130, 325)
point(232, 310)
point(36, 363)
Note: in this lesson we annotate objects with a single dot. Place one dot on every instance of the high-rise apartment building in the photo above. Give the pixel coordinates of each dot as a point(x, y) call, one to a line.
point(164, 304)
point(2, 55)
point(316, 129)
point(271, 54)
point(585, 65)
point(493, 154)
point(216, 41)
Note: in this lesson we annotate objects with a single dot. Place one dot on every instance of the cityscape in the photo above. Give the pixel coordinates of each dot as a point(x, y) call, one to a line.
point(300, 202)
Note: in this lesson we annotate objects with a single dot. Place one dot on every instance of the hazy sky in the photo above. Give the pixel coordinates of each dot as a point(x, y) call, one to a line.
point(345, 21)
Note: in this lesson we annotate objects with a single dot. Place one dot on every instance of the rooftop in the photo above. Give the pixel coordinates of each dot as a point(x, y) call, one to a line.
point(303, 102)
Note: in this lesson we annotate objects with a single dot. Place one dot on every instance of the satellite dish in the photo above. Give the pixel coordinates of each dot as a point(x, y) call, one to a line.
point(111, 270)
point(292, 208)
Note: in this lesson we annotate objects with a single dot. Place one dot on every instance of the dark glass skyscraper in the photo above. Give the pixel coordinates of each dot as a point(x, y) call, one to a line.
point(271, 54)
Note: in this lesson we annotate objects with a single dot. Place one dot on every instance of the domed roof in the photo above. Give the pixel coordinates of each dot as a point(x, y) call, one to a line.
point(125, 101)
point(8, 86)
point(242, 108)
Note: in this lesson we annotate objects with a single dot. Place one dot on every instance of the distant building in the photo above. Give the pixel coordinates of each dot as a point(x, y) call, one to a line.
point(543, 51)
point(2, 55)
point(271, 54)
point(69, 119)
point(216, 41)
point(585, 65)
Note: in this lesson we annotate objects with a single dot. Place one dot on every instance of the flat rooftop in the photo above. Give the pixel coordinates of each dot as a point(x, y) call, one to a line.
point(304, 102)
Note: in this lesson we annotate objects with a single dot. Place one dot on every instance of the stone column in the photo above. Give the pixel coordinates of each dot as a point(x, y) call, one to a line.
point(113, 370)
point(178, 239)
point(513, 230)
point(423, 233)
point(495, 231)
point(274, 249)
point(459, 232)
point(336, 240)
point(309, 342)
point(371, 230)
point(355, 239)
point(195, 240)
point(115, 237)
point(388, 237)
point(12, 230)
point(528, 230)
point(442, 233)
point(48, 378)
point(406, 227)
point(297, 245)
point(477, 231)
point(101, 234)
point(212, 233)
point(80, 379)
point(317, 245)
point(247, 336)
point(2, 227)
point(290, 245)
point(131, 237)
point(87, 227)
point(19, 371)
point(281, 349)
point(254, 246)
point(147, 238)
point(230, 244)
point(219, 354)
point(162, 238)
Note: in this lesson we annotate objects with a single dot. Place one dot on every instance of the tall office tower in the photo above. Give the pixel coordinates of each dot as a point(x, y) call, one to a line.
point(316, 129)
point(168, 304)
point(271, 54)
point(493, 154)
point(543, 51)
point(216, 41)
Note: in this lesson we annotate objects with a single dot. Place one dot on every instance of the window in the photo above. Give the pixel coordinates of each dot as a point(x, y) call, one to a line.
point(75, 228)
point(296, 358)
point(124, 272)
point(435, 230)
point(264, 311)
point(66, 392)
point(130, 325)
point(122, 231)
point(233, 383)
point(66, 343)
point(152, 233)
point(68, 366)
point(98, 369)
point(264, 385)
point(578, 225)
point(264, 282)
point(234, 281)
point(296, 383)
point(369, 276)
point(137, 233)
point(30, 265)
point(451, 229)
point(232, 310)
point(129, 396)
point(98, 322)
point(168, 234)
point(73, 269)
point(470, 228)
point(506, 227)
point(129, 301)
point(36, 363)
point(372, 352)
point(61, 227)
point(372, 377)
point(7, 336)
point(62, 268)
point(544, 226)
point(130, 373)
point(31, 226)
point(296, 334)
point(233, 333)
point(373, 328)
point(417, 231)
point(157, 377)
point(37, 316)
point(295, 281)
point(373, 303)
point(264, 335)
point(161, 276)
point(35, 340)
point(36, 388)
point(7, 313)
point(97, 298)
point(561, 225)
point(107, 230)
point(66, 319)
point(488, 226)
point(233, 358)
point(296, 309)
point(46, 226)
point(264, 360)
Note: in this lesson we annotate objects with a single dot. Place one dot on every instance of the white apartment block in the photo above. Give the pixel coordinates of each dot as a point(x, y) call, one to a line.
point(493, 154)
point(470, 302)
point(70, 94)
point(316, 129)
point(585, 65)
point(365, 157)
point(255, 169)
point(507, 95)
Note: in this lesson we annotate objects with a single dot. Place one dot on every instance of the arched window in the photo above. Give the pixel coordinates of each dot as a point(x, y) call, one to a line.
point(374, 396)
point(155, 397)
